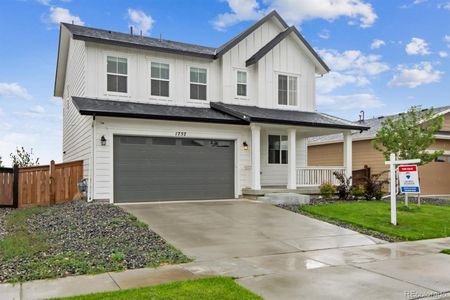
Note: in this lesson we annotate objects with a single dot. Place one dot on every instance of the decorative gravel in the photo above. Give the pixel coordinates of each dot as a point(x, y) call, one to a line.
point(297, 209)
point(82, 238)
point(3, 213)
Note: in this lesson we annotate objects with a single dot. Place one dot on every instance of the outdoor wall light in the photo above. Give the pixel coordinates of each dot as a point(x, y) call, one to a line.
point(103, 140)
point(245, 145)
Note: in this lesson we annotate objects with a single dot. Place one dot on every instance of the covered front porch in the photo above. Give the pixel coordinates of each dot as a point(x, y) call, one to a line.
point(280, 163)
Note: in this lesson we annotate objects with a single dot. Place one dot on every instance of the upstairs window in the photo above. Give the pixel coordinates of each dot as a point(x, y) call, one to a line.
point(117, 74)
point(198, 84)
point(278, 149)
point(241, 84)
point(159, 74)
point(287, 90)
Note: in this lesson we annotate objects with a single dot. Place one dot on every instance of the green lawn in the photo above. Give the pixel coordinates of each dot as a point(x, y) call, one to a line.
point(223, 288)
point(414, 222)
point(446, 251)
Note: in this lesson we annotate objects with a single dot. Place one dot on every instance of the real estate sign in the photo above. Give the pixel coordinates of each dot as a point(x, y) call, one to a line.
point(408, 176)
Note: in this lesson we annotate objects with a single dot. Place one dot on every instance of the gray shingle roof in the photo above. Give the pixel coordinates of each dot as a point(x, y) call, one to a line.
point(288, 117)
point(374, 124)
point(112, 108)
point(124, 39)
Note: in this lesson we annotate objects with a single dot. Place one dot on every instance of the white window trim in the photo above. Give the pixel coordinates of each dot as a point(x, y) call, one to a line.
point(236, 96)
point(105, 75)
point(297, 100)
point(171, 81)
point(267, 149)
point(190, 100)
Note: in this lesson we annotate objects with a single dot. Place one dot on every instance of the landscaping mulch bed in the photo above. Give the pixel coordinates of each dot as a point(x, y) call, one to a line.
point(298, 209)
point(85, 238)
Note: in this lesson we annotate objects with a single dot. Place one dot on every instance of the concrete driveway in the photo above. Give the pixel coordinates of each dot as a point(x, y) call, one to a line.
point(282, 255)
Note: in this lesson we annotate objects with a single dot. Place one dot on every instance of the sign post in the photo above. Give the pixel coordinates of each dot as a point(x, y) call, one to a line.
point(410, 184)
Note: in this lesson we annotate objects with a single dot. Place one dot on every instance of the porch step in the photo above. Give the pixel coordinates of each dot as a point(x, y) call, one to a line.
point(284, 198)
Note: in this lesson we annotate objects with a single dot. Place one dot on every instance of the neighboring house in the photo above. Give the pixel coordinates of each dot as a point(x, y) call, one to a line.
point(155, 120)
point(434, 177)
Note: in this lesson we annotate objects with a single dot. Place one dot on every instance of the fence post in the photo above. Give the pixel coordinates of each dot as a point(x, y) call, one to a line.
point(52, 188)
point(15, 186)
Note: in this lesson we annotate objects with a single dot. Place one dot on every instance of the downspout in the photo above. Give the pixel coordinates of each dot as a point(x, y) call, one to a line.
point(91, 165)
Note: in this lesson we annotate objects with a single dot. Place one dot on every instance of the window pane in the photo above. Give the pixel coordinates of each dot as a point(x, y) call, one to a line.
point(194, 91)
point(282, 89)
point(112, 83)
point(202, 76)
point(122, 84)
point(111, 64)
point(155, 90)
point(202, 92)
point(122, 66)
point(274, 156)
point(164, 71)
point(274, 142)
point(284, 157)
point(194, 75)
point(242, 90)
point(241, 77)
point(163, 141)
point(292, 90)
point(155, 70)
point(164, 88)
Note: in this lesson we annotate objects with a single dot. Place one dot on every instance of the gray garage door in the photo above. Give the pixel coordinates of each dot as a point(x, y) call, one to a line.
point(164, 169)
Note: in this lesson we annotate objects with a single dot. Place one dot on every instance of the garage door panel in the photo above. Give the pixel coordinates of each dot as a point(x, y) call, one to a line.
point(160, 169)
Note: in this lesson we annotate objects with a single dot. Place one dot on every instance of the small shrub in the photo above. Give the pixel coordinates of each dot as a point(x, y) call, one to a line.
point(358, 191)
point(344, 189)
point(373, 186)
point(327, 190)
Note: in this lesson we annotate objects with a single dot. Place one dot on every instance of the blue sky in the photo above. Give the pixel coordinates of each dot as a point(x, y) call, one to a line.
point(385, 55)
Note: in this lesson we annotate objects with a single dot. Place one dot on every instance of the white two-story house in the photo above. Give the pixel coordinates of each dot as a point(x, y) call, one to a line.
point(158, 120)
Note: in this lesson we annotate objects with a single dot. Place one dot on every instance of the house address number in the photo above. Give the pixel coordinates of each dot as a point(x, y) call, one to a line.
point(180, 133)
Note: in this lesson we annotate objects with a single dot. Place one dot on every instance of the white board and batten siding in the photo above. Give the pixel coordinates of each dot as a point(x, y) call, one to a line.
point(77, 129)
point(121, 126)
point(139, 62)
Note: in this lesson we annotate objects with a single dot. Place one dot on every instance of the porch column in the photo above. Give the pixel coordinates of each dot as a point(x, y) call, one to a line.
point(256, 157)
point(348, 153)
point(292, 159)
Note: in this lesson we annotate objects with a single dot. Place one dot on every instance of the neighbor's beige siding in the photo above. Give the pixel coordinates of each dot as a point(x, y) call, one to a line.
point(446, 126)
point(434, 177)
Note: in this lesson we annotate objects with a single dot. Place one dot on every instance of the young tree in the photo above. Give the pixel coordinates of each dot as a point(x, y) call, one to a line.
point(23, 158)
point(410, 135)
point(1, 162)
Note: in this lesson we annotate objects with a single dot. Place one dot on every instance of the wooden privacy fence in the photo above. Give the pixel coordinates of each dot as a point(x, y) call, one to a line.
point(8, 187)
point(44, 185)
point(359, 176)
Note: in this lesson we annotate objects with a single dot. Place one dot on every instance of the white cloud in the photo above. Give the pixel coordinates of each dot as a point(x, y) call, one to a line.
point(140, 20)
point(241, 10)
point(334, 80)
point(44, 2)
point(14, 90)
point(348, 102)
point(443, 54)
point(415, 76)
point(444, 5)
point(37, 109)
point(377, 43)
point(324, 34)
point(354, 62)
point(295, 12)
point(298, 11)
point(62, 15)
point(447, 40)
point(417, 46)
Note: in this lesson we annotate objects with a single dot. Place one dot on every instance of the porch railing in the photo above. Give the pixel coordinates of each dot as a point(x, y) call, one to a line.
point(315, 176)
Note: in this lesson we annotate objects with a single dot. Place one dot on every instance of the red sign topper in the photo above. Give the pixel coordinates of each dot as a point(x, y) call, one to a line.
point(407, 168)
